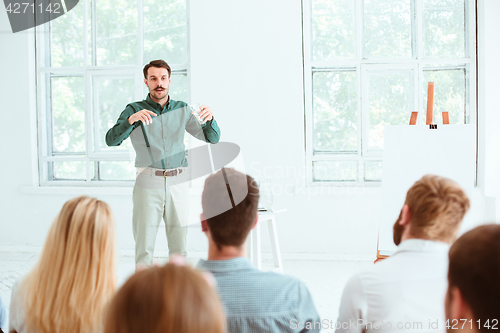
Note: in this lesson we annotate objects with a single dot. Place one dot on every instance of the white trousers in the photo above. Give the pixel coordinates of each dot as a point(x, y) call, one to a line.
point(154, 199)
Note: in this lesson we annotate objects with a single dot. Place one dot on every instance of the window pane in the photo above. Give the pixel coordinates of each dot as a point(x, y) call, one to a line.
point(444, 29)
point(116, 30)
point(122, 170)
point(178, 87)
point(68, 114)
point(387, 29)
point(165, 31)
point(67, 36)
point(333, 29)
point(335, 111)
point(341, 171)
point(373, 171)
point(90, 50)
point(70, 170)
point(113, 94)
point(389, 102)
point(449, 94)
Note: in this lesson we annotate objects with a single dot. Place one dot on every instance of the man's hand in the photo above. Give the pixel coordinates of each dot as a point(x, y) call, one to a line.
point(206, 113)
point(143, 115)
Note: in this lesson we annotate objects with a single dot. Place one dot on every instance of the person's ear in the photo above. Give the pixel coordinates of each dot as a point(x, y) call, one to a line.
point(146, 82)
point(256, 220)
point(405, 215)
point(204, 224)
point(456, 307)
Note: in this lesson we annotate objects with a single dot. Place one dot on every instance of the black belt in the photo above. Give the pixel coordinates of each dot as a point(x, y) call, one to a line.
point(166, 173)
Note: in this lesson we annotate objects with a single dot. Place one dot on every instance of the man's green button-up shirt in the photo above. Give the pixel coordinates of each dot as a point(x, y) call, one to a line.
point(161, 143)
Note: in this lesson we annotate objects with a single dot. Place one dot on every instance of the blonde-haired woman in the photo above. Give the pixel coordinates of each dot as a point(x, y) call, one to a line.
point(72, 283)
point(170, 299)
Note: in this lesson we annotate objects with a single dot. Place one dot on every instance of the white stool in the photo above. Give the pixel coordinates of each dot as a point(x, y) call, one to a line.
point(255, 248)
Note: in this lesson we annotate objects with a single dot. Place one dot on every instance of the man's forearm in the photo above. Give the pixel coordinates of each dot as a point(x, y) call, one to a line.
point(118, 133)
point(121, 130)
point(211, 131)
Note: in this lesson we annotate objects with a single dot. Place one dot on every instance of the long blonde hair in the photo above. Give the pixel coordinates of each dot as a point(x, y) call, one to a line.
point(168, 299)
point(68, 289)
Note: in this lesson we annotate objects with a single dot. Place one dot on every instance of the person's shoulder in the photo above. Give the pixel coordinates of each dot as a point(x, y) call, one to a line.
point(137, 105)
point(18, 294)
point(392, 269)
point(278, 280)
point(18, 283)
point(17, 304)
point(177, 104)
point(288, 289)
point(376, 270)
point(17, 287)
point(367, 276)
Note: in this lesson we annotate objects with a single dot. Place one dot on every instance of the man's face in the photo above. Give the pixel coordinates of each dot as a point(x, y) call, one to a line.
point(158, 82)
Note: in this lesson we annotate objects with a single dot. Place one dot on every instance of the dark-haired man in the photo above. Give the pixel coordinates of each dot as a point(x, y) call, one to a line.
point(473, 297)
point(254, 301)
point(156, 126)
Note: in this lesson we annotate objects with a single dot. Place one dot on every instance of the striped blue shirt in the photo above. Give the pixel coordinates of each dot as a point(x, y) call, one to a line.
point(259, 302)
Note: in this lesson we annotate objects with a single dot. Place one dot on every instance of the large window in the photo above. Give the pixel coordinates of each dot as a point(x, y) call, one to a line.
point(367, 65)
point(89, 67)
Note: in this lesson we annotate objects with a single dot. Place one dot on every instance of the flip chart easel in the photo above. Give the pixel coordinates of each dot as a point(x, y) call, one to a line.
point(411, 152)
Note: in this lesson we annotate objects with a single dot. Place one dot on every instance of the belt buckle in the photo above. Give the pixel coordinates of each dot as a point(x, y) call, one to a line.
point(172, 173)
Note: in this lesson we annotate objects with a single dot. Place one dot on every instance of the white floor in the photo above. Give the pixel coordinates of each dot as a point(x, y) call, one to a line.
point(325, 279)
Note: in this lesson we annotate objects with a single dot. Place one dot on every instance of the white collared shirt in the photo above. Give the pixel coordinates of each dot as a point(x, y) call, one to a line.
point(403, 293)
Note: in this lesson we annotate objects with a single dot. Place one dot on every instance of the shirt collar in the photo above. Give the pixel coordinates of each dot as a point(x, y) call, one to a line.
point(235, 264)
point(422, 245)
point(157, 105)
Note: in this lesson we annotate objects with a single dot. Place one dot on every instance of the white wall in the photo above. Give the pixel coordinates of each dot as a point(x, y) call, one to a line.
point(247, 65)
point(489, 98)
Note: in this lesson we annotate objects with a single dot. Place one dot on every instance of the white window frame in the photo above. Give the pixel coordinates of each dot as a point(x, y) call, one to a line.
point(417, 63)
point(88, 72)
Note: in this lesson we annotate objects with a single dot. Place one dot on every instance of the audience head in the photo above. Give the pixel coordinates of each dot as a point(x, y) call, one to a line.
point(474, 278)
point(230, 201)
point(75, 276)
point(434, 209)
point(168, 299)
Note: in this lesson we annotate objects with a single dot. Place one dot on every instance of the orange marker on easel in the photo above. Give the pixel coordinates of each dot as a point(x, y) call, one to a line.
point(430, 102)
point(446, 118)
point(413, 119)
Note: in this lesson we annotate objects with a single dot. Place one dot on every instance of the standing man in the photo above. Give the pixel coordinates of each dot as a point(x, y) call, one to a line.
point(156, 127)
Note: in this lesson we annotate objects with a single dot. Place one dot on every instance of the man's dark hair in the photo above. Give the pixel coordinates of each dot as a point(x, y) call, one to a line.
point(230, 200)
point(158, 64)
point(475, 270)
